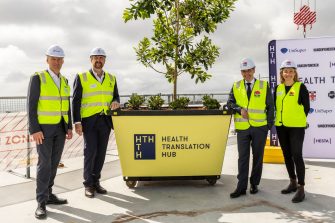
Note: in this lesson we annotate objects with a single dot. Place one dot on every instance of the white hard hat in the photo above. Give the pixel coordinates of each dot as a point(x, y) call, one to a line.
point(98, 52)
point(288, 64)
point(247, 64)
point(55, 51)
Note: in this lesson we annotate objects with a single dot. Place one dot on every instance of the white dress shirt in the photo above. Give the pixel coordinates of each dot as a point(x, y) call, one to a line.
point(251, 84)
point(100, 79)
point(55, 77)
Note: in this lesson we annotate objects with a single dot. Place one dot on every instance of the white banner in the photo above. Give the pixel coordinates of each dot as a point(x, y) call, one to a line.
point(315, 59)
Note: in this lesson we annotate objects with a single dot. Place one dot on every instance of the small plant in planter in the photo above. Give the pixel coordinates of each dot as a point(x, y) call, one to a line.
point(180, 103)
point(210, 103)
point(155, 102)
point(135, 101)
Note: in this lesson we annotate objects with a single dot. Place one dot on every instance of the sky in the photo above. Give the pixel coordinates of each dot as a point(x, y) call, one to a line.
point(28, 28)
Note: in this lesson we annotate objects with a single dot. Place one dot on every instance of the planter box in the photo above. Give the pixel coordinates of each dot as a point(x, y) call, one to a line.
point(158, 145)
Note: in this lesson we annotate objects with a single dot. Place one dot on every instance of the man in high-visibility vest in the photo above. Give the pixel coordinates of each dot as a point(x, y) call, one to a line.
point(253, 108)
point(95, 94)
point(50, 124)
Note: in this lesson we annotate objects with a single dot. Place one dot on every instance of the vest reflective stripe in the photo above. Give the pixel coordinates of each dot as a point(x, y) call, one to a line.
point(53, 98)
point(256, 111)
point(45, 113)
point(96, 96)
point(53, 103)
point(94, 104)
point(288, 112)
point(97, 93)
point(255, 106)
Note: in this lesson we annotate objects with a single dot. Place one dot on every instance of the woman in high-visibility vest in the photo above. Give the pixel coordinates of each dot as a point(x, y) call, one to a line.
point(292, 107)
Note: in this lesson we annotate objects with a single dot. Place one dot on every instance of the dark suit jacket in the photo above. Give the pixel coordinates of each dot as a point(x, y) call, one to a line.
point(33, 97)
point(269, 106)
point(88, 122)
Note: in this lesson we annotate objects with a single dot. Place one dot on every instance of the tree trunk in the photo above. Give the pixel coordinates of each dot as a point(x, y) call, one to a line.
point(176, 59)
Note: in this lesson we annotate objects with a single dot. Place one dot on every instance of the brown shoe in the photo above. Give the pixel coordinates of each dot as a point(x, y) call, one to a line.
point(99, 189)
point(299, 195)
point(89, 192)
point(292, 187)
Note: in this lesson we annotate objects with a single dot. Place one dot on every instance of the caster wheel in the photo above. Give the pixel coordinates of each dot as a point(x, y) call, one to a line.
point(131, 183)
point(211, 181)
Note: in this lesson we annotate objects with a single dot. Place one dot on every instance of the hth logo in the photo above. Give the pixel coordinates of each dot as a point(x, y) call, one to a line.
point(312, 95)
point(145, 146)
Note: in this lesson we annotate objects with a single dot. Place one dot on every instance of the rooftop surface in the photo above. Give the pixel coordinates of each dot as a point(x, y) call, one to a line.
point(173, 201)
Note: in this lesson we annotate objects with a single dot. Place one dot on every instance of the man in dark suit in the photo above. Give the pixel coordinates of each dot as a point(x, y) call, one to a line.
point(50, 124)
point(95, 94)
point(253, 107)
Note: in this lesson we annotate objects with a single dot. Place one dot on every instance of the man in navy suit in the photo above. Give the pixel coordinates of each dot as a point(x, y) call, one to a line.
point(50, 124)
point(95, 94)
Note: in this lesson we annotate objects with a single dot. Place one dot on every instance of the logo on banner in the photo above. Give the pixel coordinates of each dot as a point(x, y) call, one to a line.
point(323, 111)
point(326, 125)
point(331, 64)
point(283, 50)
point(145, 146)
point(322, 141)
point(331, 94)
point(324, 49)
point(312, 95)
point(295, 50)
point(308, 65)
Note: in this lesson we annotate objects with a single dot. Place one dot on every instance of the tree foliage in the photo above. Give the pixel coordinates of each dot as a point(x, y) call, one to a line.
point(180, 42)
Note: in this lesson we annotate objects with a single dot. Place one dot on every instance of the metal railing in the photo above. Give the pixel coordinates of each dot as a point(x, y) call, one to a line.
point(19, 104)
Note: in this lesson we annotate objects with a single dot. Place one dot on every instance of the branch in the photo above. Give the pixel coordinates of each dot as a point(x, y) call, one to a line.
point(161, 72)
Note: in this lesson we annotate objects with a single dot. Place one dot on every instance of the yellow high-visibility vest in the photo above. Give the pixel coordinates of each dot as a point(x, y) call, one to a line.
point(255, 106)
point(96, 97)
point(288, 112)
point(53, 103)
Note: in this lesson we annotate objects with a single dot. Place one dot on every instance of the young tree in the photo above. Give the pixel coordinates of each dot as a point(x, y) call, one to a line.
point(179, 43)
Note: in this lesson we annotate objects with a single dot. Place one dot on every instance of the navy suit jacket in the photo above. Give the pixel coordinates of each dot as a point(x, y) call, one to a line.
point(88, 122)
point(34, 91)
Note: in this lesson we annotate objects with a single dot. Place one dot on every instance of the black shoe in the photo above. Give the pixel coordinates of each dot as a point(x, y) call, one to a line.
point(99, 189)
point(292, 187)
point(237, 193)
point(41, 211)
point(253, 189)
point(89, 192)
point(299, 195)
point(53, 199)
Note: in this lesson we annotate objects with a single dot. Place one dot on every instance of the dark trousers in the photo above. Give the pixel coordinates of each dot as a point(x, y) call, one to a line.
point(291, 141)
point(96, 141)
point(256, 137)
point(49, 155)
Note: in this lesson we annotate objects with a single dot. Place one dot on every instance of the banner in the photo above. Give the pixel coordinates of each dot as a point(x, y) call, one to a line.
point(315, 59)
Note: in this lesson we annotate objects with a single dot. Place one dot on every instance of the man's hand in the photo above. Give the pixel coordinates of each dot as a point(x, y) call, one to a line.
point(69, 134)
point(78, 128)
point(38, 137)
point(244, 113)
point(114, 105)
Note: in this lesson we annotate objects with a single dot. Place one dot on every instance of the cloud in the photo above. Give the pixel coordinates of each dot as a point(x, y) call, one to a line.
point(28, 28)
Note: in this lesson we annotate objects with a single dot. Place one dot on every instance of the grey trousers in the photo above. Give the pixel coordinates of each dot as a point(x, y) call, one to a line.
point(49, 155)
point(256, 137)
